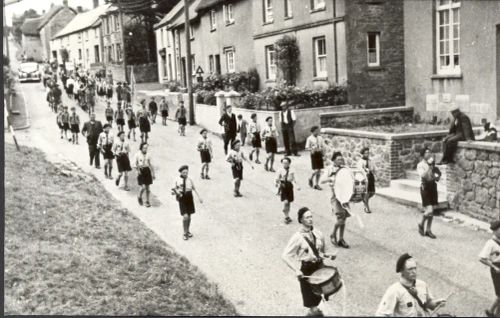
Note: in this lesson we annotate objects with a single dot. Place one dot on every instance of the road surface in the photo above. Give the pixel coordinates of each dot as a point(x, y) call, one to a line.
point(238, 242)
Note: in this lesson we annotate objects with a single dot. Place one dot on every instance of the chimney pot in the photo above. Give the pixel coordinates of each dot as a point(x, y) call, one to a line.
point(65, 3)
point(96, 3)
point(79, 9)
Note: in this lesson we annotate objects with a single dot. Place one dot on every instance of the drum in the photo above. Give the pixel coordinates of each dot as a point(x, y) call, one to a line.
point(350, 185)
point(325, 281)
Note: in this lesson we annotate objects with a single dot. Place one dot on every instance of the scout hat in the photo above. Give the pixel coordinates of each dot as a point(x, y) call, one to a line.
point(183, 167)
point(401, 262)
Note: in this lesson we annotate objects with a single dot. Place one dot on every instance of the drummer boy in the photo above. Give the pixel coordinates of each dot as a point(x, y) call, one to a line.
point(490, 256)
point(340, 211)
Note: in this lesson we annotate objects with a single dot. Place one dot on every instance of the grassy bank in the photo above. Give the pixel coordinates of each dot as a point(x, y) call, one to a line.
point(71, 251)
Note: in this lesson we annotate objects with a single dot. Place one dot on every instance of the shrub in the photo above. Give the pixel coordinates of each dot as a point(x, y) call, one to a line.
point(287, 58)
point(206, 97)
point(173, 86)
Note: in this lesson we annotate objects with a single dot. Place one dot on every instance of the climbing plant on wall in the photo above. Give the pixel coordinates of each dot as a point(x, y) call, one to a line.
point(287, 54)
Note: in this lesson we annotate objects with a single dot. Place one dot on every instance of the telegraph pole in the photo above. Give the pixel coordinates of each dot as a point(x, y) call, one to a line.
point(124, 55)
point(189, 71)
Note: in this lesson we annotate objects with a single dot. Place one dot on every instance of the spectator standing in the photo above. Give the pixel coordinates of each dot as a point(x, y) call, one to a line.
point(288, 120)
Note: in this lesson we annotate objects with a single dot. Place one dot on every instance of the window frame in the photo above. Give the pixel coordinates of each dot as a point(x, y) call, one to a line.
point(288, 9)
point(213, 20)
point(227, 52)
point(450, 7)
point(191, 32)
point(318, 5)
point(271, 69)
point(377, 49)
point(211, 64)
point(228, 12)
point(316, 71)
point(268, 11)
point(80, 55)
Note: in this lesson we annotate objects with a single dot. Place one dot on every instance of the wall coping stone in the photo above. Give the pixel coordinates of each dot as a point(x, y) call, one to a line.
point(386, 136)
point(480, 145)
point(368, 111)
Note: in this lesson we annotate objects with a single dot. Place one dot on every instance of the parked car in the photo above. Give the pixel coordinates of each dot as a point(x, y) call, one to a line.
point(29, 72)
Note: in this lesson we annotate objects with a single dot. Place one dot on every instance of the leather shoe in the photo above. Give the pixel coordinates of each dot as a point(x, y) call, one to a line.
point(343, 244)
point(429, 234)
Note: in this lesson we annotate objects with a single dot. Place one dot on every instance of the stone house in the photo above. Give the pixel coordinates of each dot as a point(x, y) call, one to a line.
point(336, 46)
point(31, 42)
point(51, 23)
point(452, 56)
point(82, 39)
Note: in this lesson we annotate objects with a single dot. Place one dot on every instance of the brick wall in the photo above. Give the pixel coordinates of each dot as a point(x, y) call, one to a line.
point(382, 86)
point(360, 118)
point(473, 183)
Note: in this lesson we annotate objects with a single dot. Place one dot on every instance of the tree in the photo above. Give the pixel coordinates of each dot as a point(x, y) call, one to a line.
point(17, 23)
point(287, 59)
point(136, 44)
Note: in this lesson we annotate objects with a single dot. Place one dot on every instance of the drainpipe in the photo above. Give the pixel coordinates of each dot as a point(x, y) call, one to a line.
point(335, 42)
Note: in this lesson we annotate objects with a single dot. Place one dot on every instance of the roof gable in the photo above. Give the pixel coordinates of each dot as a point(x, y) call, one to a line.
point(83, 21)
point(30, 26)
point(52, 13)
point(176, 15)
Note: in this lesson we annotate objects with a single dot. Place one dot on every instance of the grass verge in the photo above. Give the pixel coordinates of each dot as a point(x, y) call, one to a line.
point(69, 250)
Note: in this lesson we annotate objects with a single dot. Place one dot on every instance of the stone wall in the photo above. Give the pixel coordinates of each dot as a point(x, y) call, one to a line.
point(369, 117)
point(145, 73)
point(474, 181)
point(383, 85)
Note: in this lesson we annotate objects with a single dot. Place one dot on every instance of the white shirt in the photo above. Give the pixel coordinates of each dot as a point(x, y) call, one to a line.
point(142, 160)
point(398, 302)
point(269, 132)
point(234, 156)
point(298, 248)
point(365, 165)
point(253, 128)
point(178, 184)
point(491, 251)
point(282, 173)
point(315, 144)
point(284, 116)
point(204, 144)
point(121, 147)
point(105, 139)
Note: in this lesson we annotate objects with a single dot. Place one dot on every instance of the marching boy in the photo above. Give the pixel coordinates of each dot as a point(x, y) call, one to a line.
point(236, 157)
point(205, 149)
point(285, 180)
point(270, 135)
point(315, 145)
point(120, 118)
point(254, 135)
point(74, 122)
point(65, 122)
point(109, 112)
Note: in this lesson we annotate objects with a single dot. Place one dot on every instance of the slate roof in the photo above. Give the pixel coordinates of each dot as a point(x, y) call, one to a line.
point(83, 21)
point(30, 26)
point(50, 14)
point(207, 4)
point(173, 15)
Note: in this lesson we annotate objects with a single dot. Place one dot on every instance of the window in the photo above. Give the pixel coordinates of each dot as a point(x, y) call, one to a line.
point(191, 32)
point(87, 55)
point(119, 52)
point(317, 4)
point(86, 35)
point(448, 36)
point(80, 54)
point(230, 60)
point(320, 57)
point(288, 9)
point(161, 38)
point(211, 64)
point(213, 20)
point(117, 23)
point(171, 75)
point(96, 54)
point(96, 33)
point(373, 40)
point(107, 28)
point(228, 13)
point(268, 11)
point(113, 52)
point(270, 63)
point(193, 65)
point(79, 36)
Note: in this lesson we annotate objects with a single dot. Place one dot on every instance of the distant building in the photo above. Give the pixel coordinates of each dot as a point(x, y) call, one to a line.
point(452, 56)
point(31, 42)
point(82, 38)
point(358, 42)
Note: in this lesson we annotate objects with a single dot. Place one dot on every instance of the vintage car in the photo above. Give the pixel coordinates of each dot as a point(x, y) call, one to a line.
point(29, 72)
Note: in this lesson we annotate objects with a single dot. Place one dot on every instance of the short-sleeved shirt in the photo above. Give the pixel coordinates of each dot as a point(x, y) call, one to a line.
point(330, 172)
point(105, 139)
point(235, 156)
point(365, 165)
point(398, 302)
point(121, 147)
point(74, 119)
point(269, 132)
point(163, 105)
point(315, 144)
point(491, 251)
point(142, 160)
point(120, 114)
point(298, 248)
point(282, 173)
point(423, 168)
point(178, 184)
point(204, 144)
point(253, 128)
point(109, 112)
point(65, 117)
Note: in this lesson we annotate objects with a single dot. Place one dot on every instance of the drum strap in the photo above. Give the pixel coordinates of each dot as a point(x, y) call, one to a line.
point(413, 293)
point(312, 244)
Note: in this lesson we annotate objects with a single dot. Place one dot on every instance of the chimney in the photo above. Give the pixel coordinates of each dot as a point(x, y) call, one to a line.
point(43, 12)
point(52, 4)
point(79, 9)
point(96, 3)
point(65, 3)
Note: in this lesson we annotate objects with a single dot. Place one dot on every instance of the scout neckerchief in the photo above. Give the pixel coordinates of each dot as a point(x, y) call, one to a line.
point(286, 174)
point(413, 292)
point(312, 244)
point(184, 185)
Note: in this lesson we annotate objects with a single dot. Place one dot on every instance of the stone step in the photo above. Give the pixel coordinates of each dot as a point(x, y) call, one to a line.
point(414, 185)
point(409, 198)
point(413, 174)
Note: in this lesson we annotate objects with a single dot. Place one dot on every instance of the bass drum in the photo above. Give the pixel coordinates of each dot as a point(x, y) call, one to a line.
point(350, 185)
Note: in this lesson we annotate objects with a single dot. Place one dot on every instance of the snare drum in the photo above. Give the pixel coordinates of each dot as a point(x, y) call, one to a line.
point(325, 281)
point(350, 185)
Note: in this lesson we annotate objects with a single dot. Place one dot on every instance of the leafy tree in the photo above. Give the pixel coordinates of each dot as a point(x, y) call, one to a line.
point(287, 59)
point(17, 23)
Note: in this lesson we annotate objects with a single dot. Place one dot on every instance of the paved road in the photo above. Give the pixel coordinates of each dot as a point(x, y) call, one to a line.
point(238, 242)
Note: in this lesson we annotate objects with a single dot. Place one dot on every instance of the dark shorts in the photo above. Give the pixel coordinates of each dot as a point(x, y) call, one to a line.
point(429, 194)
point(205, 156)
point(182, 121)
point(286, 191)
point(109, 118)
point(145, 177)
point(164, 113)
point(65, 126)
point(131, 124)
point(123, 163)
point(317, 161)
point(75, 128)
point(271, 145)
point(341, 213)
point(256, 141)
point(371, 183)
point(496, 281)
point(309, 298)
point(108, 153)
point(237, 170)
point(120, 122)
point(154, 112)
point(144, 125)
point(186, 203)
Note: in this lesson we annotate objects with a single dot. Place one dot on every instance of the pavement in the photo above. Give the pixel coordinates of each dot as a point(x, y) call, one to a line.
point(238, 242)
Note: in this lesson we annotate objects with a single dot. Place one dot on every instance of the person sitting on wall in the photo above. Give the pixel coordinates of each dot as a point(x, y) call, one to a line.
point(490, 133)
point(460, 130)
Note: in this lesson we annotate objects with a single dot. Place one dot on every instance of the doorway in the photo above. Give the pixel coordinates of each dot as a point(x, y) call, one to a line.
point(217, 64)
point(183, 72)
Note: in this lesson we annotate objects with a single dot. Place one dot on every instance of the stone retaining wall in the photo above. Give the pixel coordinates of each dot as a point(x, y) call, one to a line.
point(473, 182)
point(368, 117)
